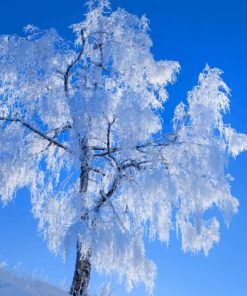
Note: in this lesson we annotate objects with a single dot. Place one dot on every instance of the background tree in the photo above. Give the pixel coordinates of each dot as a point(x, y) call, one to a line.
point(81, 127)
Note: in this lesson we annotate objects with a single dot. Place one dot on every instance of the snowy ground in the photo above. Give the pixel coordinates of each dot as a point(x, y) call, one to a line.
point(11, 285)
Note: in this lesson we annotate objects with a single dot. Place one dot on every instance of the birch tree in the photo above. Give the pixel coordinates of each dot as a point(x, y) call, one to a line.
point(81, 128)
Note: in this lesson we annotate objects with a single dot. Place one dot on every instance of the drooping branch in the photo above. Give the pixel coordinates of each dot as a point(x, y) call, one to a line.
point(51, 140)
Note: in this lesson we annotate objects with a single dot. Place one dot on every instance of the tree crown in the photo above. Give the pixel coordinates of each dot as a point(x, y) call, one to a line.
point(81, 127)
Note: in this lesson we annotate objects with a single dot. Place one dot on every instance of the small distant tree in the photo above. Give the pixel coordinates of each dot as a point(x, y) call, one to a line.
point(81, 128)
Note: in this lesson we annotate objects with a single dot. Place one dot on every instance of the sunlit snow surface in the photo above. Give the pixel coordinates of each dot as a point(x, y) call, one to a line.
point(11, 285)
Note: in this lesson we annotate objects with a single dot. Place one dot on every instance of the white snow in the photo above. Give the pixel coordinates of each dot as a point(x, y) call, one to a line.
point(11, 285)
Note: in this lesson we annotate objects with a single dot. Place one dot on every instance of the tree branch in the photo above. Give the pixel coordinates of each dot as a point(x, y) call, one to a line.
point(109, 150)
point(97, 171)
point(36, 131)
point(106, 196)
point(73, 63)
point(109, 136)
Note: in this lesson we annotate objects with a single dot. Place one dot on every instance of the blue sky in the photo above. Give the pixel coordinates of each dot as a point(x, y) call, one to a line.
point(193, 33)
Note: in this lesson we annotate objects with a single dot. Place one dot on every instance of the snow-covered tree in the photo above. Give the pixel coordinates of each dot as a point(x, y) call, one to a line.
point(81, 127)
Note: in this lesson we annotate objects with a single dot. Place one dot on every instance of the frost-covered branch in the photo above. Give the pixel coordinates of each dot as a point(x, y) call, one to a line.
point(51, 140)
point(73, 63)
point(156, 143)
point(106, 196)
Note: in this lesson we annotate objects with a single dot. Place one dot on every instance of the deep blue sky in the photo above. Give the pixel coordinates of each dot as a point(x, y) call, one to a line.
point(193, 33)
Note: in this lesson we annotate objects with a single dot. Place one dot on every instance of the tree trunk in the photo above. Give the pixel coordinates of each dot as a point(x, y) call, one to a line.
point(83, 264)
point(82, 274)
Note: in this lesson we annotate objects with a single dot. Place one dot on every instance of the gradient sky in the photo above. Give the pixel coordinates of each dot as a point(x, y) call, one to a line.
point(193, 32)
